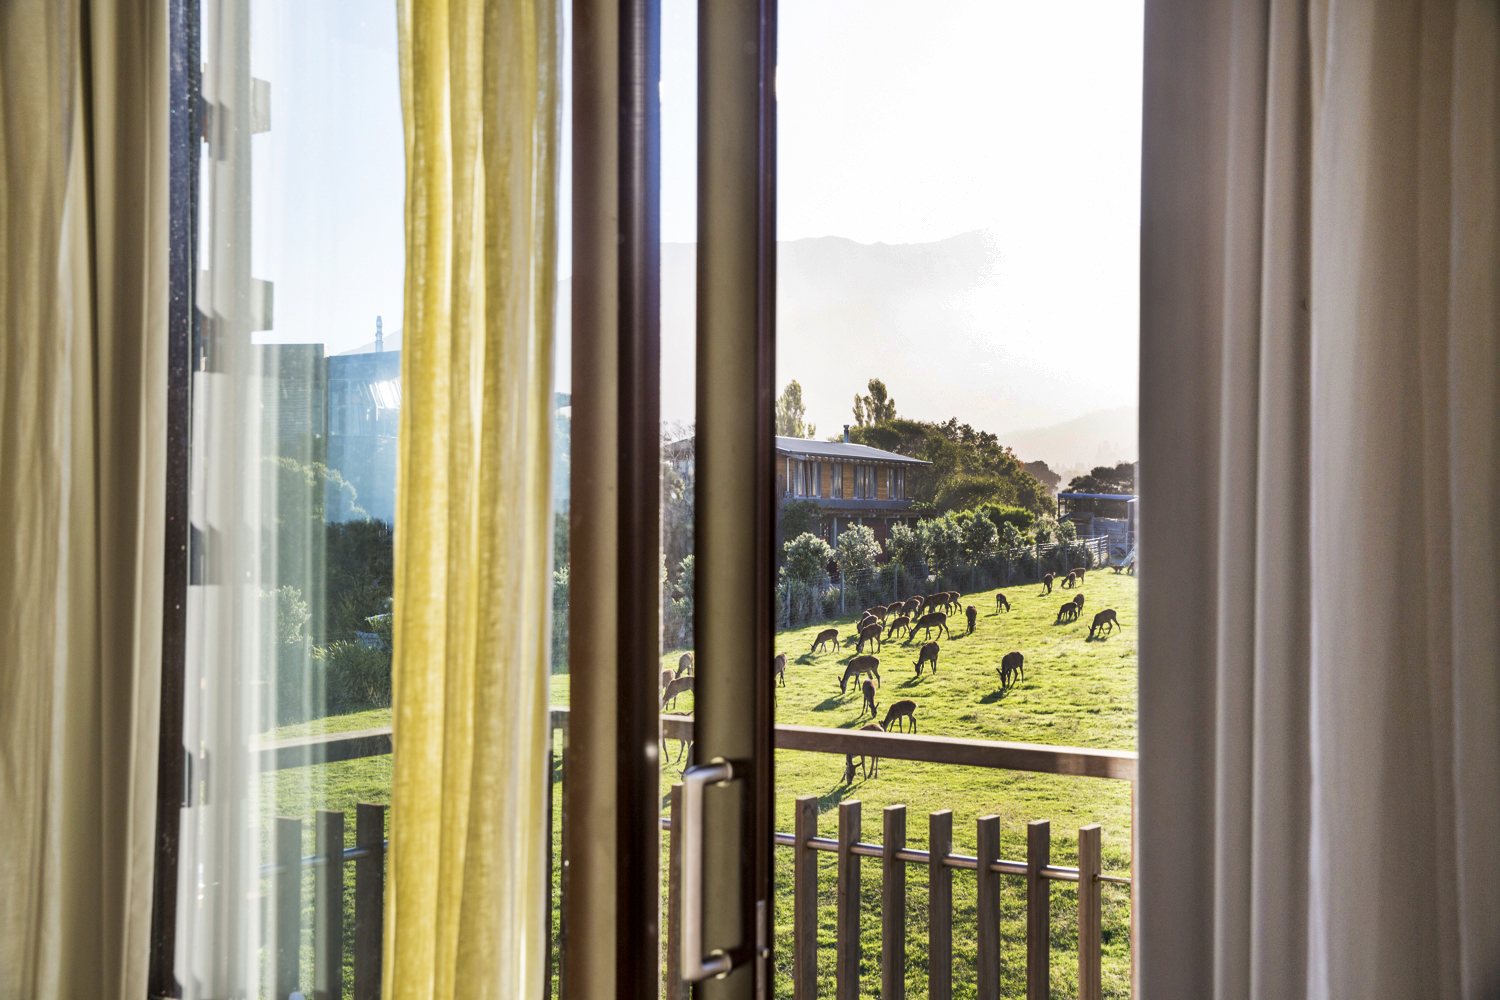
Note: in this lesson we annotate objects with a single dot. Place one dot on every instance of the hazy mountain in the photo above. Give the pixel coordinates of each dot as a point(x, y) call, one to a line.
point(936, 321)
point(1073, 447)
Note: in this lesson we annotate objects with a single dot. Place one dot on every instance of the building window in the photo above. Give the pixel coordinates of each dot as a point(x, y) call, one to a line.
point(838, 481)
point(803, 478)
point(864, 482)
point(897, 484)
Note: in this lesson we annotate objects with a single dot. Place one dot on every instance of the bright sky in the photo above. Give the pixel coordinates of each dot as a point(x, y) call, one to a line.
point(899, 123)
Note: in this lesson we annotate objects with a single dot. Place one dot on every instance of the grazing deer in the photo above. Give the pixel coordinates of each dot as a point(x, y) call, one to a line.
point(824, 638)
point(666, 678)
point(954, 600)
point(865, 623)
point(869, 633)
point(679, 685)
point(932, 620)
point(778, 669)
point(1078, 572)
point(1103, 618)
point(932, 600)
point(874, 771)
point(877, 612)
point(684, 664)
point(897, 625)
point(1047, 583)
point(910, 606)
point(927, 654)
point(860, 665)
point(1078, 603)
point(903, 709)
point(849, 768)
point(1001, 602)
point(1071, 580)
point(1012, 668)
point(1066, 613)
point(868, 687)
point(972, 613)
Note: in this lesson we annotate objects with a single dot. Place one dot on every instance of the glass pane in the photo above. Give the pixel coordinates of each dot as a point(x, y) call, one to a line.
point(956, 354)
point(296, 396)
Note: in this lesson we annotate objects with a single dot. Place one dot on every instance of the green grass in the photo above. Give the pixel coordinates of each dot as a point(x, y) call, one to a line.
point(1077, 693)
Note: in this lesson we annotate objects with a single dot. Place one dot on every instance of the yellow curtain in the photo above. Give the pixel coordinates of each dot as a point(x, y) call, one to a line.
point(466, 871)
point(83, 293)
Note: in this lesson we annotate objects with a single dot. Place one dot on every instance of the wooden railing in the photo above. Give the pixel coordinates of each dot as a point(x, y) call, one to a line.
point(805, 841)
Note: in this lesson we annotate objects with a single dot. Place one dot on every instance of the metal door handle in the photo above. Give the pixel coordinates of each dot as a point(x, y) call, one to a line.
point(695, 964)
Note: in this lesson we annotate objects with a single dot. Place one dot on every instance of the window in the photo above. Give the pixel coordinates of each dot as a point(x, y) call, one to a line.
point(837, 492)
point(864, 482)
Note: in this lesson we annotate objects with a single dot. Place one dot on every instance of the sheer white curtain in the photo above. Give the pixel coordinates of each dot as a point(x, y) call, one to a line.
point(1320, 449)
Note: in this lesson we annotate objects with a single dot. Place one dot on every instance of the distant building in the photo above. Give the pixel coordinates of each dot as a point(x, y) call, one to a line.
point(364, 418)
point(852, 484)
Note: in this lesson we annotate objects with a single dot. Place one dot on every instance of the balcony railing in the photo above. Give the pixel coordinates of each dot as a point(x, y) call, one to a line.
point(848, 847)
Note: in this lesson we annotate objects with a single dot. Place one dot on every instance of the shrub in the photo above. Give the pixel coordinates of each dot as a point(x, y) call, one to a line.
point(807, 558)
point(905, 550)
point(855, 557)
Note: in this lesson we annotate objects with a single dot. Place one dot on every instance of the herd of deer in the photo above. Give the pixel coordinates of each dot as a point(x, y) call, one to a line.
point(1012, 667)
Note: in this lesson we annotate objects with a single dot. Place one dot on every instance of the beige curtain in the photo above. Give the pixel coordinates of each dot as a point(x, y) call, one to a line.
point(83, 189)
point(465, 896)
point(1320, 455)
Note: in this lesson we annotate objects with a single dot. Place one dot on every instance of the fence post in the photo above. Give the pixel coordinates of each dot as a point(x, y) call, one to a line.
point(893, 907)
point(1038, 910)
point(805, 902)
point(987, 907)
point(1090, 915)
point(328, 907)
point(677, 987)
point(287, 897)
point(939, 906)
point(847, 942)
point(369, 900)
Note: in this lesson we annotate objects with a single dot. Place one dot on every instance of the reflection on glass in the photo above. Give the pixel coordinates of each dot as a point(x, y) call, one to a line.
point(296, 405)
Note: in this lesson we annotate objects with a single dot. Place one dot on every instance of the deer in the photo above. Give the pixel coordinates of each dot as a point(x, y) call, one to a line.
point(1067, 613)
point(869, 633)
point(849, 768)
point(684, 664)
point(1001, 602)
point(1078, 603)
point(868, 687)
point(860, 665)
point(932, 620)
point(927, 654)
point(972, 613)
point(953, 600)
point(865, 623)
point(1047, 583)
point(911, 605)
point(898, 624)
point(903, 709)
point(824, 638)
point(1103, 618)
point(1078, 571)
point(666, 678)
point(778, 669)
point(1071, 580)
point(872, 727)
point(1012, 668)
point(679, 685)
point(877, 612)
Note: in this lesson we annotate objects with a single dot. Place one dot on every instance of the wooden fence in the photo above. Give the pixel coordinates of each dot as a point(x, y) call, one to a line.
point(368, 856)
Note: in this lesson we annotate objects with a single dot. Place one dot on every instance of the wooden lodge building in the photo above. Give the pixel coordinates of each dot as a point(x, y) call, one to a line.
point(852, 483)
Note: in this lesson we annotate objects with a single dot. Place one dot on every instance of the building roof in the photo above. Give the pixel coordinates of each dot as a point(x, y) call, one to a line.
point(847, 451)
point(1096, 496)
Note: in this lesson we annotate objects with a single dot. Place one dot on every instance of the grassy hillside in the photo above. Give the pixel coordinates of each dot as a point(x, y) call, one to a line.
point(1076, 693)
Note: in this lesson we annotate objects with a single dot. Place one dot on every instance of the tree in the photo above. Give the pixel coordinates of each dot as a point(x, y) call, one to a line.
point(942, 541)
point(876, 408)
point(807, 558)
point(969, 467)
point(855, 557)
point(905, 549)
point(979, 536)
point(796, 517)
point(1118, 479)
point(790, 413)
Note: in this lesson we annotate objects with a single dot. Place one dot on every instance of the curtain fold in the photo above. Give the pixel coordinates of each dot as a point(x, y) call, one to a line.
point(83, 294)
point(465, 893)
point(1320, 656)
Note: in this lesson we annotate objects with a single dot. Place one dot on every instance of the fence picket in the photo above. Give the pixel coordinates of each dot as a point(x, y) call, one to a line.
point(939, 906)
point(328, 907)
point(1090, 914)
point(286, 897)
point(805, 902)
point(369, 900)
point(847, 933)
point(987, 906)
point(1038, 911)
point(893, 906)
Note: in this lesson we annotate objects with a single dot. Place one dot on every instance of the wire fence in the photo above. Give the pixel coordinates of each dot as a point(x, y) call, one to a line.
point(803, 602)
